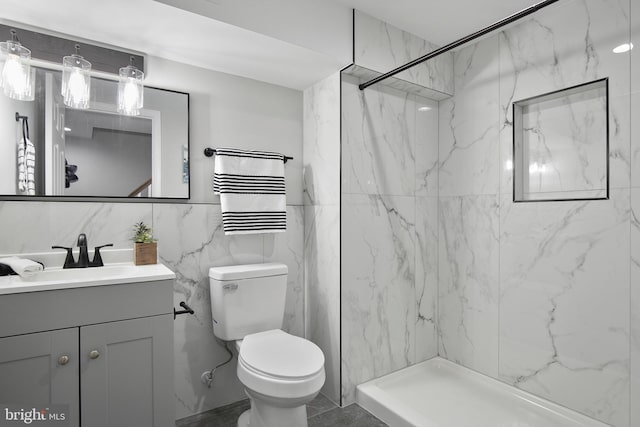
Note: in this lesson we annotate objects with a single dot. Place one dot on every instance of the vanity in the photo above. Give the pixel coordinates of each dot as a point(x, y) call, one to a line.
point(99, 340)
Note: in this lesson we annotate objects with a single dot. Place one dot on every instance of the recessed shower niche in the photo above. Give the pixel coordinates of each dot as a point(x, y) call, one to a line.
point(561, 144)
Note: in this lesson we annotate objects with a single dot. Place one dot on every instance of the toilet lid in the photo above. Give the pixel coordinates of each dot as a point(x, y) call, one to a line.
point(280, 354)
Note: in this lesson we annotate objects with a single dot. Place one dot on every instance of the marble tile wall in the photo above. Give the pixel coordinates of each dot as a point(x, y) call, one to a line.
point(537, 294)
point(635, 215)
point(389, 232)
point(469, 128)
point(381, 47)
point(321, 151)
point(544, 54)
point(468, 294)
point(36, 226)
point(190, 236)
point(635, 305)
point(564, 311)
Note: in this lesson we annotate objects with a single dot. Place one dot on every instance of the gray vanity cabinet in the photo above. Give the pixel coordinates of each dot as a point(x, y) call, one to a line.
point(106, 351)
point(41, 368)
point(123, 373)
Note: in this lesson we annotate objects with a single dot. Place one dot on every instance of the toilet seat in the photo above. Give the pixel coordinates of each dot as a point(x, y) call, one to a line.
point(275, 363)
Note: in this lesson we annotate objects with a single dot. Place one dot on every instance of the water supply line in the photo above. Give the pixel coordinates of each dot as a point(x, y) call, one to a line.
point(207, 377)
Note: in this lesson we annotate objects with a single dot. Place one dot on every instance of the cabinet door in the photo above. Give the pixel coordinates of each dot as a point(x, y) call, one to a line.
point(34, 370)
point(126, 373)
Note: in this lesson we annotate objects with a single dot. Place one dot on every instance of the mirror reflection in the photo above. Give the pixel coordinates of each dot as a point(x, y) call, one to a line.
point(49, 149)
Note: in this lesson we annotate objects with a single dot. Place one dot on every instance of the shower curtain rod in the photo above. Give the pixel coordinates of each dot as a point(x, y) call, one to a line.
point(511, 18)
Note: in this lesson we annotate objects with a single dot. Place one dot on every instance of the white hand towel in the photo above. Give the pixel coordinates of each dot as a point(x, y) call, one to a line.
point(252, 191)
point(24, 267)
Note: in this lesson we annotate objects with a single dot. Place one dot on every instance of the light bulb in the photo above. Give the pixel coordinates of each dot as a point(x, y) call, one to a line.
point(76, 87)
point(131, 95)
point(17, 74)
point(130, 91)
point(76, 81)
point(14, 75)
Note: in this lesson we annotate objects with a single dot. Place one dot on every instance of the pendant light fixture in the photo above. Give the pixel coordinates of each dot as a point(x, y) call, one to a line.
point(76, 80)
point(17, 76)
point(130, 90)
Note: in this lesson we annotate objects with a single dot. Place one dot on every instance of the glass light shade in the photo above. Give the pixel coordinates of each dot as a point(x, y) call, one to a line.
point(130, 91)
point(17, 76)
point(76, 81)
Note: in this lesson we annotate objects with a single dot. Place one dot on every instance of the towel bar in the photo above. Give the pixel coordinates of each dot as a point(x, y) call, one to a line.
point(209, 152)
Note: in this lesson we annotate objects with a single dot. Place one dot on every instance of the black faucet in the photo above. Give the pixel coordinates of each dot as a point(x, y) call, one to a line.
point(83, 258)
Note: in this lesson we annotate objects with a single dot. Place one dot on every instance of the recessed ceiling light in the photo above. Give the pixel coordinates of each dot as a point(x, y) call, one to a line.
point(625, 47)
point(66, 129)
point(424, 108)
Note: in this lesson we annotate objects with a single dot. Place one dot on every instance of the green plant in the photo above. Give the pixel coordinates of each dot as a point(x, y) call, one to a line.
point(142, 233)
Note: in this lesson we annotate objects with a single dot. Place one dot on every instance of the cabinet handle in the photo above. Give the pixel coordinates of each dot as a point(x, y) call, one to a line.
point(63, 360)
point(94, 354)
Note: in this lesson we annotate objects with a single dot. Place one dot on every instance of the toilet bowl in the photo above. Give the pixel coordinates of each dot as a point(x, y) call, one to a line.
point(281, 374)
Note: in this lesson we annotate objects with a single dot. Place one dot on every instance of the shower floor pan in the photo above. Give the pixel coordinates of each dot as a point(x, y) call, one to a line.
point(439, 393)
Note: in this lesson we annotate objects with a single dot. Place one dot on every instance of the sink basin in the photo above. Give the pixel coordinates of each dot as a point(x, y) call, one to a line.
point(58, 278)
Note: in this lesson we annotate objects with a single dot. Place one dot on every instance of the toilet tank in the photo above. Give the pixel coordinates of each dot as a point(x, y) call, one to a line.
point(246, 299)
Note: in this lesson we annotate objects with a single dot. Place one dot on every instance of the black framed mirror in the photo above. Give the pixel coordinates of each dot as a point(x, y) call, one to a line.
point(94, 153)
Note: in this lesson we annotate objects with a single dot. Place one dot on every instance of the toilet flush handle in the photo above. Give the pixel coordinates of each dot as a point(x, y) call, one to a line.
point(230, 287)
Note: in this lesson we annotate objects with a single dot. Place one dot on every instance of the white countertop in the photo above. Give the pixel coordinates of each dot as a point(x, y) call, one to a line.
point(110, 274)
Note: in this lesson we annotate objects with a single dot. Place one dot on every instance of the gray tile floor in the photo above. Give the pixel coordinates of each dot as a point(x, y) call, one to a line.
point(321, 413)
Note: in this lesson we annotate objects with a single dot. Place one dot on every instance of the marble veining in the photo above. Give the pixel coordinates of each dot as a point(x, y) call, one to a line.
point(555, 259)
point(383, 47)
point(468, 271)
point(426, 150)
point(36, 226)
point(468, 127)
point(321, 262)
point(635, 306)
point(378, 136)
point(322, 281)
point(321, 142)
point(543, 54)
point(378, 288)
point(389, 231)
point(426, 277)
point(635, 141)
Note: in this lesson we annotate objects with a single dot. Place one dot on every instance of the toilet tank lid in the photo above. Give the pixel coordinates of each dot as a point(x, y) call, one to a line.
point(247, 271)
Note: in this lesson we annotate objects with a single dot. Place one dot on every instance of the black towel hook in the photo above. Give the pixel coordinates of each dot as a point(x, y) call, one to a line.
point(25, 127)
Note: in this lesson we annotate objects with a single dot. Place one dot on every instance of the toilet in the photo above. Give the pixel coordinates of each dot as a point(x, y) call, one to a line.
point(280, 372)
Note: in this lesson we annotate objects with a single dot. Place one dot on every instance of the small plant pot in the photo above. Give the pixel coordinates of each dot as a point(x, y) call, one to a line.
point(145, 253)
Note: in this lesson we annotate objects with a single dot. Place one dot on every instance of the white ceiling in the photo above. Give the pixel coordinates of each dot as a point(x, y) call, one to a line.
point(161, 30)
point(439, 21)
point(292, 43)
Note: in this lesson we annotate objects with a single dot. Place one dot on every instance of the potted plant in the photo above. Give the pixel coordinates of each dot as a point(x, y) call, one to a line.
point(145, 246)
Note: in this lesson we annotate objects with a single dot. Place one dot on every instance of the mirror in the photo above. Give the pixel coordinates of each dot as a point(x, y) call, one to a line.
point(95, 152)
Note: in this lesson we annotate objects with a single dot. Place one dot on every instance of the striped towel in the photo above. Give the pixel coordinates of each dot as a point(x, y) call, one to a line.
point(251, 189)
point(26, 167)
